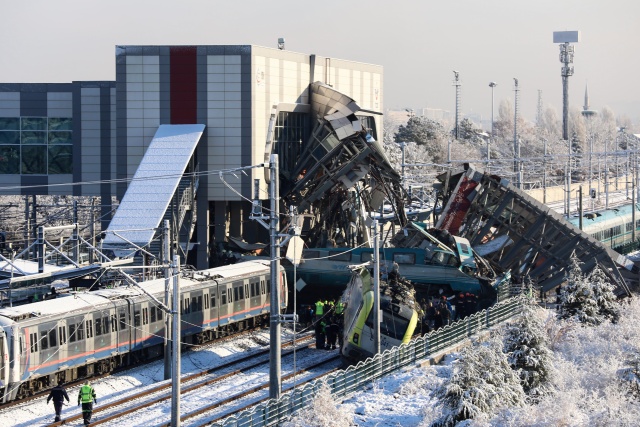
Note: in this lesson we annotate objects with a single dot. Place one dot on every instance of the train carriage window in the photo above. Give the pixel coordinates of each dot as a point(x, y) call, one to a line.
point(194, 304)
point(72, 333)
point(268, 287)
point(44, 340)
point(89, 329)
point(223, 297)
point(137, 319)
point(235, 294)
point(246, 291)
point(159, 313)
point(253, 289)
point(262, 287)
point(230, 295)
point(34, 342)
point(80, 331)
point(98, 326)
point(53, 342)
point(404, 258)
point(340, 255)
point(114, 323)
point(206, 301)
point(145, 316)
point(123, 320)
point(213, 301)
point(153, 313)
point(62, 331)
point(200, 303)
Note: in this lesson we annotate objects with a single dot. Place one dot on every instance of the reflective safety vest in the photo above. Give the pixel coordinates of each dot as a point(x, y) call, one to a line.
point(87, 394)
point(339, 307)
point(319, 308)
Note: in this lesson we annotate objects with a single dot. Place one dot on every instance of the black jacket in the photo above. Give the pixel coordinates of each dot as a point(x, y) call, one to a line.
point(57, 394)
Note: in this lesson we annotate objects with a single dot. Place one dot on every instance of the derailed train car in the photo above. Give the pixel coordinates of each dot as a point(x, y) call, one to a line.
point(398, 321)
point(48, 342)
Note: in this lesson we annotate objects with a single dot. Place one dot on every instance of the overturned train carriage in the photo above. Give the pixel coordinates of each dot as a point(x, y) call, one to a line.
point(45, 343)
point(398, 320)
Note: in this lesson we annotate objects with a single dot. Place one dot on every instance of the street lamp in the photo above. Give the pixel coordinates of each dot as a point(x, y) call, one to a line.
point(492, 85)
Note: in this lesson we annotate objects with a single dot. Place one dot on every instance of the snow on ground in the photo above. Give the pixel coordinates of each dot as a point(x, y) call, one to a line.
point(588, 386)
point(135, 380)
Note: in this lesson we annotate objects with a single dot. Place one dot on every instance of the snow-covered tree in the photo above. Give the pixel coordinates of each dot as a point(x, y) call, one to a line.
point(630, 375)
point(323, 412)
point(427, 133)
point(525, 343)
point(481, 382)
point(603, 294)
point(589, 299)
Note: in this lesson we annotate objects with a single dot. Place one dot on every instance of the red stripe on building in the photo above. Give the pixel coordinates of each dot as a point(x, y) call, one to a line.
point(183, 83)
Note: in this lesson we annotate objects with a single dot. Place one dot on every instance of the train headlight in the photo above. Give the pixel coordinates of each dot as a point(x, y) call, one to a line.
point(356, 338)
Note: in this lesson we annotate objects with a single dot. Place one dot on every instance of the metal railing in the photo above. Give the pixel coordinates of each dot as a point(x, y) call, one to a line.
point(347, 381)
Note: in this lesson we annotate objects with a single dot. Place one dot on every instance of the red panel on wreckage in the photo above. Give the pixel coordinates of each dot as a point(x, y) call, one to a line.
point(454, 216)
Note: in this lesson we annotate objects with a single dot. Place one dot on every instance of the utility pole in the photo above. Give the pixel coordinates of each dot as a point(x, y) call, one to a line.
point(175, 388)
point(517, 169)
point(166, 260)
point(376, 286)
point(275, 380)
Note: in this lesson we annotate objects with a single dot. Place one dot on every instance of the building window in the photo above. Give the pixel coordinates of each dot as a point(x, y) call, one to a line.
point(291, 131)
point(36, 145)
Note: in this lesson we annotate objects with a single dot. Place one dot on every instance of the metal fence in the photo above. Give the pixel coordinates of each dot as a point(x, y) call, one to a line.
point(352, 379)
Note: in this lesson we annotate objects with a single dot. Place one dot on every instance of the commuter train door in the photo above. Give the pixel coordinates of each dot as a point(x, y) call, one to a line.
point(4, 362)
point(239, 301)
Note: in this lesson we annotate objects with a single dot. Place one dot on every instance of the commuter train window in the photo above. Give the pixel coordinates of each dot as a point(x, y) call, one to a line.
point(246, 291)
point(89, 329)
point(262, 290)
point(235, 293)
point(52, 338)
point(223, 297)
point(105, 324)
point(114, 323)
point(268, 287)
point(80, 331)
point(44, 340)
point(123, 320)
point(200, 303)
point(72, 333)
point(213, 301)
point(137, 318)
point(145, 316)
point(34, 342)
point(230, 295)
point(206, 301)
point(253, 289)
point(153, 313)
point(63, 336)
point(159, 313)
point(405, 258)
point(98, 326)
point(194, 304)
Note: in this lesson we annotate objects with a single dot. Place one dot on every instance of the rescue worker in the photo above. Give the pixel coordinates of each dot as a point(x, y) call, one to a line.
point(319, 310)
point(339, 311)
point(321, 334)
point(58, 394)
point(332, 334)
point(85, 397)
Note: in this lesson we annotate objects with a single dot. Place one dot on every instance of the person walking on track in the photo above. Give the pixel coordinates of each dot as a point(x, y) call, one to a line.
point(58, 394)
point(85, 397)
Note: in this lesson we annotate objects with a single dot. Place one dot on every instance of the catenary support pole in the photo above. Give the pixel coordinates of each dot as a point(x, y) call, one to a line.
point(166, 260)
point(376, 286)
point(175, 388)
point(275, 381)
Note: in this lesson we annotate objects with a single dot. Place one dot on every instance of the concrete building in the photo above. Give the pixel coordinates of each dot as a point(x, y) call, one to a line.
point(94, 134)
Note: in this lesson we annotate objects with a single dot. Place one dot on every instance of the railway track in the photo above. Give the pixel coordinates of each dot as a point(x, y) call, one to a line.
point(109, 413)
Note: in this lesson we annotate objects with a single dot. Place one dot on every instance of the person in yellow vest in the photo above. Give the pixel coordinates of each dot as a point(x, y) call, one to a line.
point(87, 397)
point(319, 310)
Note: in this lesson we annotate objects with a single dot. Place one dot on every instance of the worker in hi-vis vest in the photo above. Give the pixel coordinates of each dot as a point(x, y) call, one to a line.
point(87, 397)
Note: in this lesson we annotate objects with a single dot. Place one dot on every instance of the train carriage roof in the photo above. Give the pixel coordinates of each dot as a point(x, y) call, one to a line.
point(82, 301)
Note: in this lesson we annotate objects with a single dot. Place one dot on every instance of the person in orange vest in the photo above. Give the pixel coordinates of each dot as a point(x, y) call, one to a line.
point(87, 397)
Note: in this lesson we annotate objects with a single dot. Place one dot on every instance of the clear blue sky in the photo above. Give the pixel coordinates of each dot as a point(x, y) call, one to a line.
point(418, 42)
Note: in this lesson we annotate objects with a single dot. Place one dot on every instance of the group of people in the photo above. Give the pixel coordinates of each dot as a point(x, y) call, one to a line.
point(328, 321)
point(86, 398)
point(441, 312)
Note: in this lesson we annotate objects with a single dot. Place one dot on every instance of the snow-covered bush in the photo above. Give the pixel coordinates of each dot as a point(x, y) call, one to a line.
point(589, 299)
point(481, 382)
point(525, 343)
point(323, 412)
